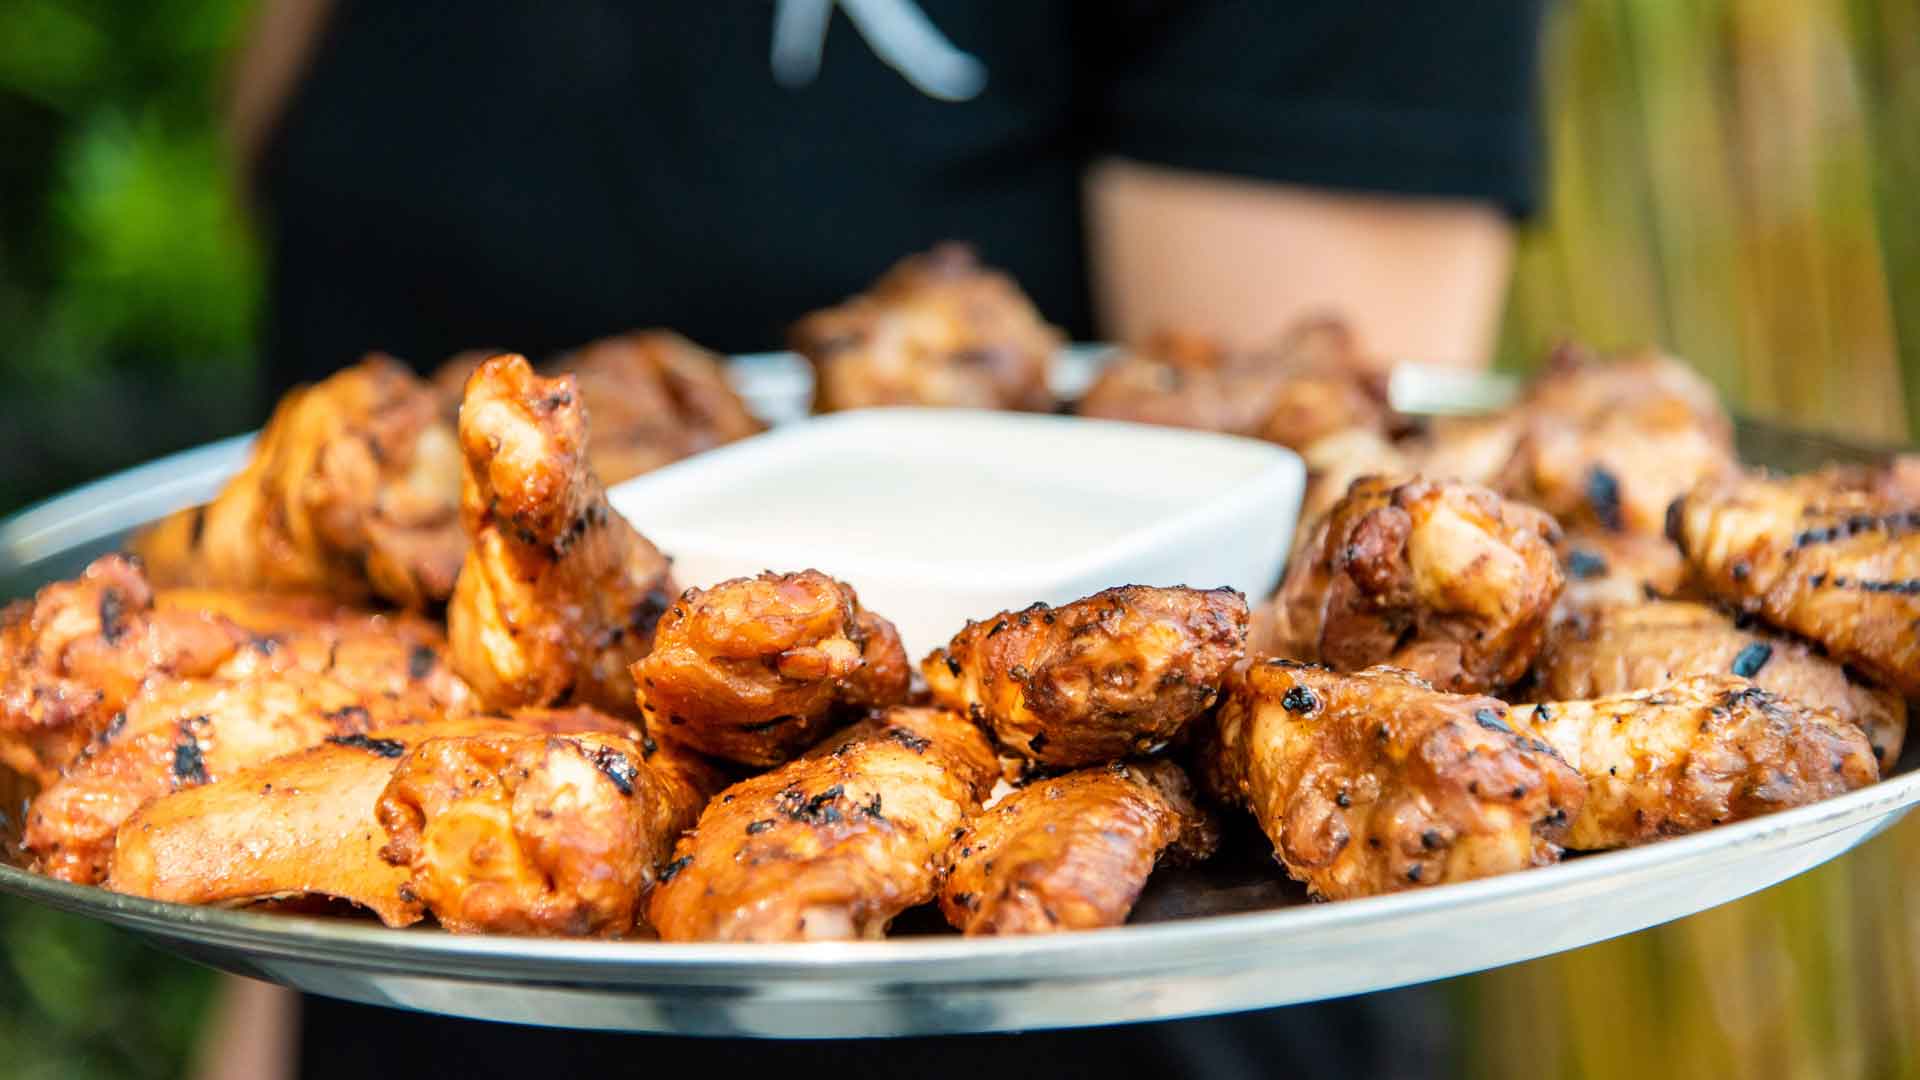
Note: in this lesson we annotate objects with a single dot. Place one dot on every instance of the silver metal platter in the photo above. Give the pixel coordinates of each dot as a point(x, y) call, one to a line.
point(1231, 935)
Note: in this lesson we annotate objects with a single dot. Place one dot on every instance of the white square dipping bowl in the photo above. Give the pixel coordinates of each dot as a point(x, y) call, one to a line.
point(936, 516)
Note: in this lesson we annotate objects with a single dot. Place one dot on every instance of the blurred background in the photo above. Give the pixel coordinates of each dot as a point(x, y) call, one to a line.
point(1730, 178)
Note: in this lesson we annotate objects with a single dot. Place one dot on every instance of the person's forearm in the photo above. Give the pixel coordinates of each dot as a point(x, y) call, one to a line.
point(1420, 279)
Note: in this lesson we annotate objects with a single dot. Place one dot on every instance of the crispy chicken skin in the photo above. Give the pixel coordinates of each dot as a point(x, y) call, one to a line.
point(390, 653)
point(1447, 580)
point(559, 595)
point(187, 733)
point(1373, 782)
point(1817, 555)
point(655, 398)
point(936, 329)
point(832, 845)
point(353, 490)
point(1120, 672)
point(540, 834)
point(1074, 851)
point(1604, 568)
point(73, 656)
point(1610, 443)
point(753, 669)
point(1700, 752)
point(1644, 646)
point(302, 824)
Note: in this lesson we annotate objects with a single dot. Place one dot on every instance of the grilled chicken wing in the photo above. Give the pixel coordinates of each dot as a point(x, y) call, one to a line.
point(186, 733)
point(655, 398)
point(834, 844)
point(1180, 379)
point(388, 653)
point(302, 824)
point(559, 595)
point(540, 834)
point(1604, 568)
point(1823, 556)
point(936, 329)
point(1120, 672)
point(73, 656)
point(353, 490)
point(1693, 754)
point(1373, 782)
point(1313, 384)
point(1623, 648)
point(1610, 443)
point(1072, 852)
point(1447, 580)
point(753, 669)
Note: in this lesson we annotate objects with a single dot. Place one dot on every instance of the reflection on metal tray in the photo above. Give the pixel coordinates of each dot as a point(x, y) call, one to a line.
point(1232, 934)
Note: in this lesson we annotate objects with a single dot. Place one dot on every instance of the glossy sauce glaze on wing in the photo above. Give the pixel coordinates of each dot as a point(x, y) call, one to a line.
point(1699, 752)
point(559, 595)
point(754, 669)
point(832, 845)
point(1373, 782)
point(1447, 580)
point(1623, 648)
point(73, 656)
point(936, 329)
point(186, 733)
point(352, 489)
point(1118, 673)
point(1072, 852)
point(1833, 557)
point(540, 833)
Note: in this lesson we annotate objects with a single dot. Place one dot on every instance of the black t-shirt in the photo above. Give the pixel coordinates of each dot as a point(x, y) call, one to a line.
point(530, 175)
point(534, 174)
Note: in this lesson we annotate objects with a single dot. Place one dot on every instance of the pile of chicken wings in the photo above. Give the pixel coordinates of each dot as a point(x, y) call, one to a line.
point(411, 663)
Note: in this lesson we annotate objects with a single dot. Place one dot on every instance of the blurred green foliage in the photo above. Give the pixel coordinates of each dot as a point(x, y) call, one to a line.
point(128, 283)
point(128, 296)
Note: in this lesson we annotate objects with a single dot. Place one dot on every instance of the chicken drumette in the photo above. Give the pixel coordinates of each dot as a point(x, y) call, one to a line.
point(936, 329)
point(1699, 752)
point(754, 669)
point(559, 595)
point(1622, 648)
point(832, 845)
point(353, 490)
point(1072, 852)
point(1120, 672)
point(1447, 580)
point(540, 834)
point(1372, 782)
